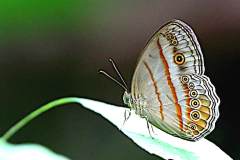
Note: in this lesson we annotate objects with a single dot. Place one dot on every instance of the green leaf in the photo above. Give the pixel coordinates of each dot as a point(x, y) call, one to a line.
point(27, 152)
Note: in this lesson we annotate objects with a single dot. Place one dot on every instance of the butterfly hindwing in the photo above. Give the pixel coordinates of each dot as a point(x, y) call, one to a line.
point(200, 103)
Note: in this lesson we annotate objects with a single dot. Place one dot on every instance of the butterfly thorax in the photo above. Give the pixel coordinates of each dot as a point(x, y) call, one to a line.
point(137, 104)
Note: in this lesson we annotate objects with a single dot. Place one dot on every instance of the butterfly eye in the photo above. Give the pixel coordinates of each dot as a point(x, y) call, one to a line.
point(192, 126)
point(195, 115)
point(185, 79)
point(193, 93)
point(195, 103)
point(179, 58)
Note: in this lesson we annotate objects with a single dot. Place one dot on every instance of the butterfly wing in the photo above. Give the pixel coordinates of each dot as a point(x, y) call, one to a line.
point(171, 59)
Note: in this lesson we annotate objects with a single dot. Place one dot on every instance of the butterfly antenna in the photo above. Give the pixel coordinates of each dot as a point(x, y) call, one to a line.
point(107, 75)
point(118, 72)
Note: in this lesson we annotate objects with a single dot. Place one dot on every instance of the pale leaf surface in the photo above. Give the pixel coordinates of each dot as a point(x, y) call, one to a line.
point(163, 144)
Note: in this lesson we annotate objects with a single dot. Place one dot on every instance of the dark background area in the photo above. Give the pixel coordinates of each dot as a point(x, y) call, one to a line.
point(53, 49)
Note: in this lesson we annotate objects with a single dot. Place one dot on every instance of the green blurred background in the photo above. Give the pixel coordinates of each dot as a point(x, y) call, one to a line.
point(53, 49)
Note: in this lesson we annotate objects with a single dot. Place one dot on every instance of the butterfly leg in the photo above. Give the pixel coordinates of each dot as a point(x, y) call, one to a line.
point(149, 131)
point(152, 129)
point(127, 115)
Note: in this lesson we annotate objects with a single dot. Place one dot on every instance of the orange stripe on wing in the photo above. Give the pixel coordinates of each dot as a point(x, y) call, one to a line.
point(170, 84)
point(156, 88)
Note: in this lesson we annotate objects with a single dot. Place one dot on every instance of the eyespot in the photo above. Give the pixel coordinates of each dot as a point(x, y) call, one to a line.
point(193, 93)
point(191, 85)
point(174, 42)
point(169, 36)
point(195, 115)
point(194, 103)
point(184, 79)
point(192, 126)
point(179, 58)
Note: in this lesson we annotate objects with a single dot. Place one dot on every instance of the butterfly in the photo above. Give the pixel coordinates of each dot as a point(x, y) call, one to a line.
point(169, 88)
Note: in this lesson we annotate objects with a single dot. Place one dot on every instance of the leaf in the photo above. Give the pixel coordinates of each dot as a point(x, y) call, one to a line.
point(162, 144)
point(27, 152)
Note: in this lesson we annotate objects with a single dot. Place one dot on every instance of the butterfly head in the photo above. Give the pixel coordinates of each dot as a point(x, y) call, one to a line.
point(127, 99)
point(138, 104)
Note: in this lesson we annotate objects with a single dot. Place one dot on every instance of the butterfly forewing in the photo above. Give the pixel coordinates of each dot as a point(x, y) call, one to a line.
point(169, 77)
